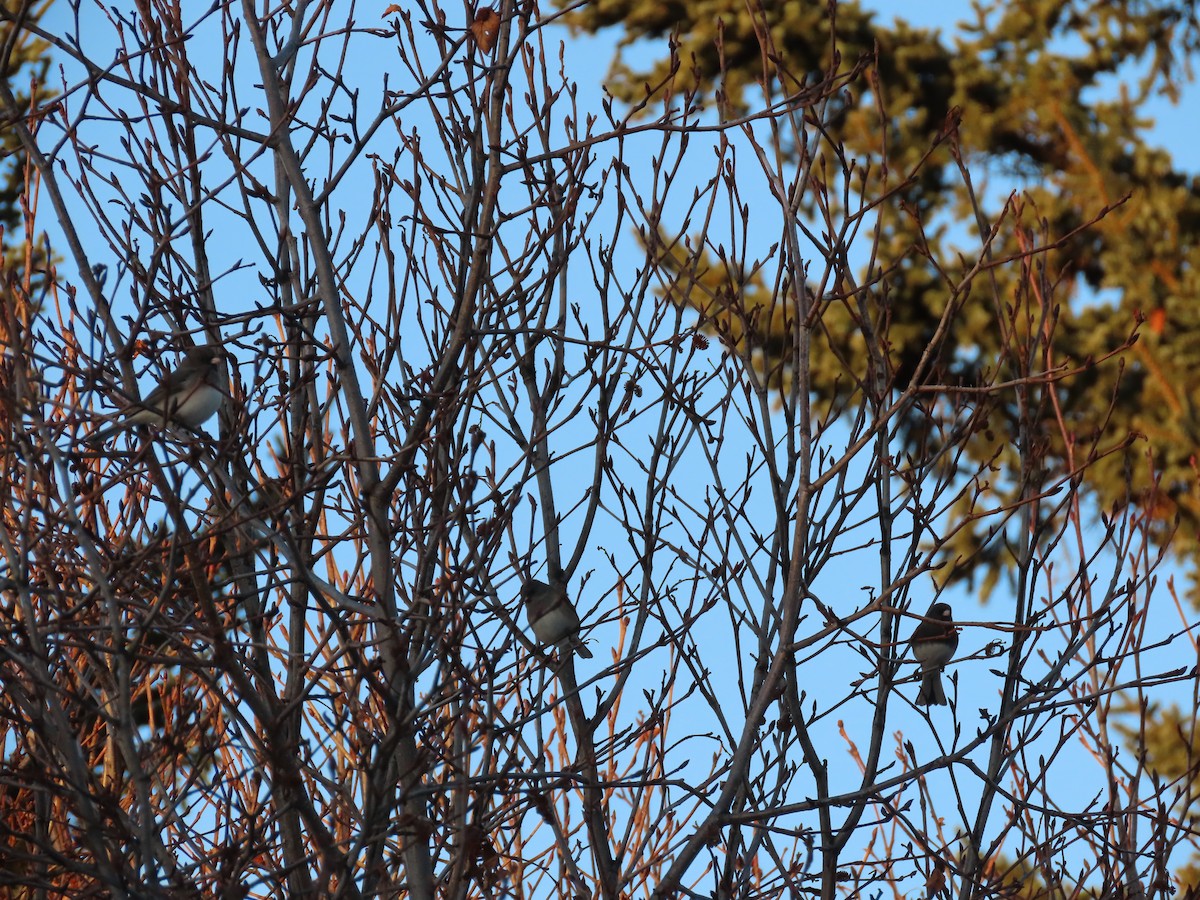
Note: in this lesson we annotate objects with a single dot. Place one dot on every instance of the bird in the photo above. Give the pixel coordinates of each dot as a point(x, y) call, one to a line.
point(933, 643)
point(552, 616)
point(187, 395)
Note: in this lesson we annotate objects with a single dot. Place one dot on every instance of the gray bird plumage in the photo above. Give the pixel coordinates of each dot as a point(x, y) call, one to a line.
point(186, 396)
point(552, 616)
point(933, 644)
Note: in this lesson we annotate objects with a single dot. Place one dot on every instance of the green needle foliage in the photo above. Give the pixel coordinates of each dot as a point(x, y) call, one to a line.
point(25, 61)
point(1026, 95)
point(24, 64)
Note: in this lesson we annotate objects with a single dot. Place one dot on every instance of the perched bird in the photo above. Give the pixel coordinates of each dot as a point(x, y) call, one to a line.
point(552, 616)
point(933, 643)
point(186, 396)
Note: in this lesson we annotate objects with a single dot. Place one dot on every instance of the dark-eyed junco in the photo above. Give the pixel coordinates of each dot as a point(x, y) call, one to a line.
point(933, 643)
point(552, 616)
point(185, 396)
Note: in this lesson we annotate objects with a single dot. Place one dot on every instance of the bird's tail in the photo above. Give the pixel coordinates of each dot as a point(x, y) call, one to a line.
point(931, 693)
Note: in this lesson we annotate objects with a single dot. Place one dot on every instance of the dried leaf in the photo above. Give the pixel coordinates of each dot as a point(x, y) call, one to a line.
point(485, 28)
point(937, 879)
